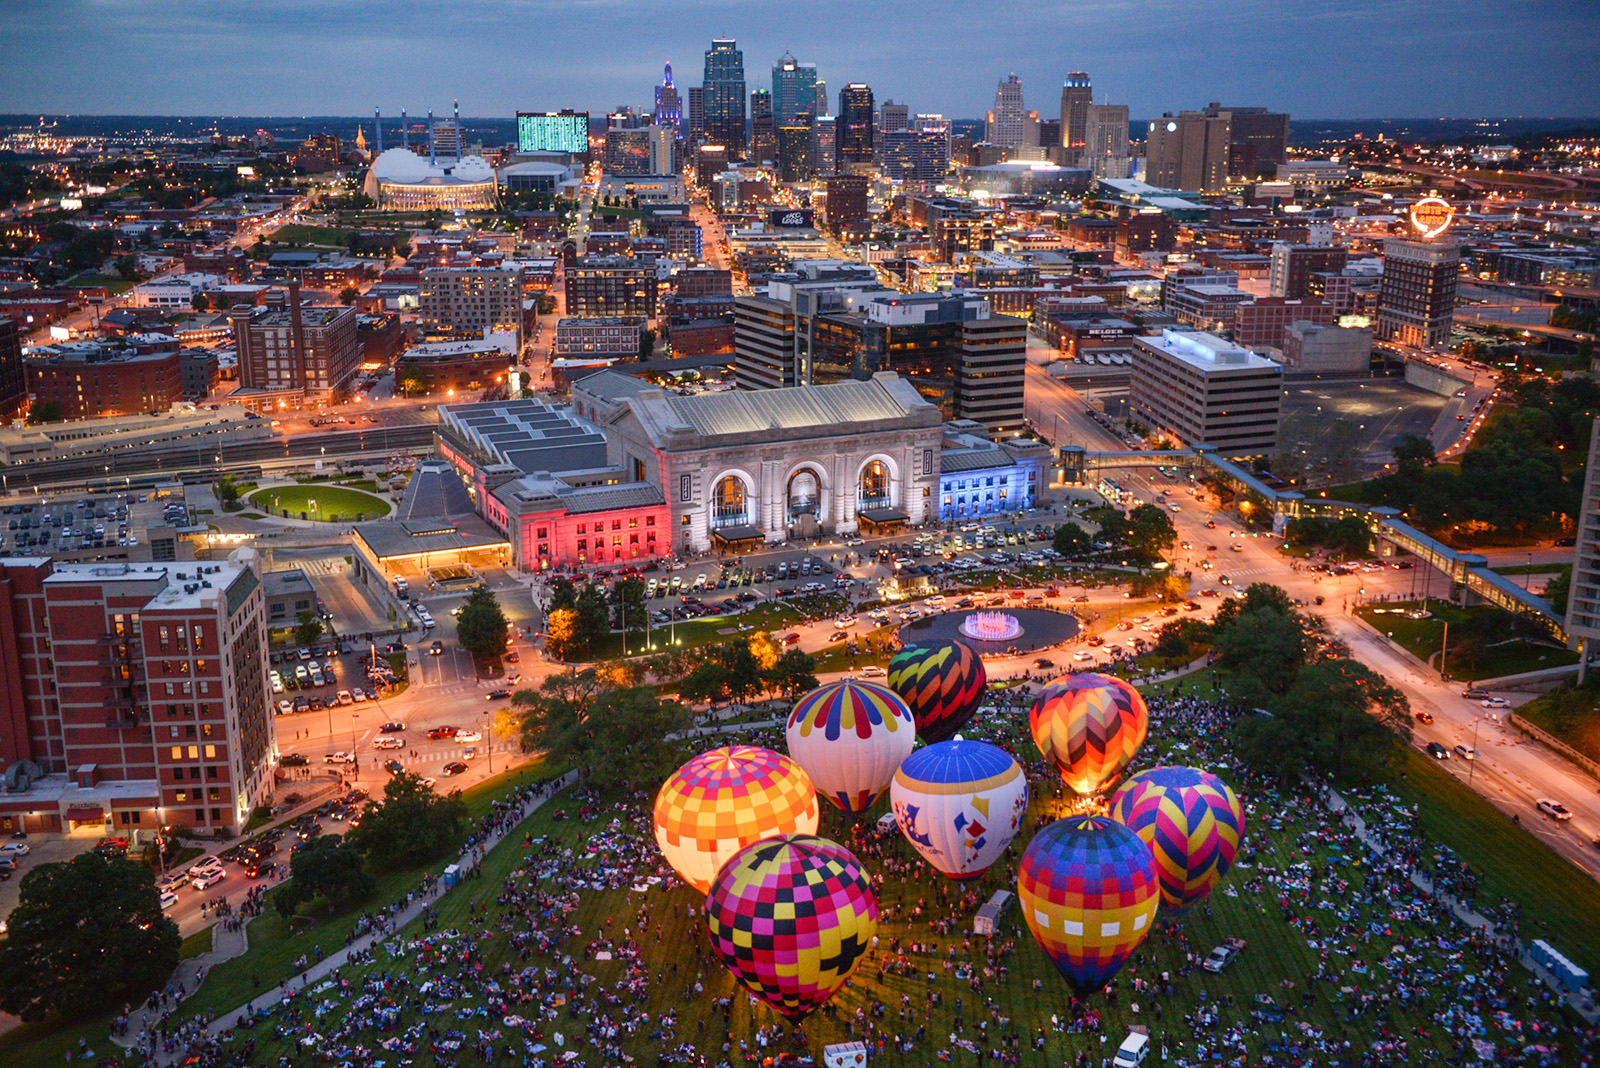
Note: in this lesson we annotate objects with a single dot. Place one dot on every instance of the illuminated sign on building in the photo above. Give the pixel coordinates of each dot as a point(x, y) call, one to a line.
point(1431, 216)
point(567, 131)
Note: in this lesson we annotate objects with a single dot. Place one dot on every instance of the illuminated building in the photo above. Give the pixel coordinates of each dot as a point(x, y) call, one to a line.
point(1006, 123)
point(794, 91)
point(856, 127)
point(1417, 301)
point(401, 180)
point(1188, 151)
point(553, 131)
point(1206, 391)
point(669, 109)
point(1076, 97)
point(724, 96)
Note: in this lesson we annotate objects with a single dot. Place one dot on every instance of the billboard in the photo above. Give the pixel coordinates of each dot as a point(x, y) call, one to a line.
point(789, 218)
point(1431, 216)
point(547, 131)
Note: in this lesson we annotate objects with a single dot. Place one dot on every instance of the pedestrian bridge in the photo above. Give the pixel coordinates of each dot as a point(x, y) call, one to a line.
point(1470, 571)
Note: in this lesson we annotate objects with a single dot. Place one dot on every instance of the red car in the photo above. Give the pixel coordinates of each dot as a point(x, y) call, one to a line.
point(443, 732)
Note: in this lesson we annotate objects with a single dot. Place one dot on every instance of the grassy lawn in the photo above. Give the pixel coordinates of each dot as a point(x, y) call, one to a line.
point(195, 944)
point(115, 286)
point(298, 234)
point(1284, 834)
point(1423, 638)
point(333, 504)
point(1559, 900)
point(273, 948)
point(1571, 713)
point(1535, 569)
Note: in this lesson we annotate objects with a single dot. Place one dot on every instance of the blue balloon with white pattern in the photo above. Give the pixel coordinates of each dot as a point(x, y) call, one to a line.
point(959, 803)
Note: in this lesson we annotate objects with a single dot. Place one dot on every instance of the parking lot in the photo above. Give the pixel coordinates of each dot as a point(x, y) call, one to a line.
point(57, 526)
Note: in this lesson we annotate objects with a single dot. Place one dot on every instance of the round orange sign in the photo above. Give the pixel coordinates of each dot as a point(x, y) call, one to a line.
point(1431, 216)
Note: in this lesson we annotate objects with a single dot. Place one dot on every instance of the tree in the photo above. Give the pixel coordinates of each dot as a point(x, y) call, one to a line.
point(127, 266)
point(1339, 704)
point(1170, 642)
point(199, 303)
point(348, 295)
point(563, 594)
point(1071, 540)
point(647, 344)
point(47, 412)
point(327, 866)
point(1261, 651)
point(793, 674)
point(88, 932)
point(616, 737)
point(481, 626)
point(594, 618)
point(308, 628)
point(1558, 590)
point(627, 603)
point(227, 490)
point(561, 634)
point(1113, 525)
point(408, 376)
point(1150, 530)
point(412, 824)
point(1414, 452)
point(1160, 584)
point(1348, 535)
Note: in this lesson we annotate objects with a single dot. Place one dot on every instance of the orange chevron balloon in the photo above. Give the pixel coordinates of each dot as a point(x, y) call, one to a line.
point(1090, 726)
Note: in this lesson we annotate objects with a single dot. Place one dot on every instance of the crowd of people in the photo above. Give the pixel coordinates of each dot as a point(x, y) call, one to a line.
point(578, 954)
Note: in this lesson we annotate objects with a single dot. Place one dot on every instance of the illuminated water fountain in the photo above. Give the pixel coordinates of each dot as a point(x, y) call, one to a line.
point(991, 627)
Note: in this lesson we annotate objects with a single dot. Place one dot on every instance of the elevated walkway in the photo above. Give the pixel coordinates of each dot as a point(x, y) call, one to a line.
point(1470, 571)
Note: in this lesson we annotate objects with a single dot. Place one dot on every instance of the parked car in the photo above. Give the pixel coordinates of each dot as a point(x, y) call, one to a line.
point(15, 849)
point(1132, 1052)
point(206, 880)
point(1223, 955)
point(1496, 702)
point(872, 671)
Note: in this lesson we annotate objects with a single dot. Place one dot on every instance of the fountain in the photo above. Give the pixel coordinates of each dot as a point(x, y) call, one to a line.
point(991, 627)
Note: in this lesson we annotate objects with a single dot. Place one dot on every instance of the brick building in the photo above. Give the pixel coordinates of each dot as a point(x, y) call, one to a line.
point(90, 379)
point(135, 695)
point(295, 354)
point(1264, 320)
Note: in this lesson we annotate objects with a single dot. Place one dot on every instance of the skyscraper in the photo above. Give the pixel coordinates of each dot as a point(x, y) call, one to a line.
point(669, 109)
point(794, 152)
point(794, 90)
point(857, 124)
point(694, 114)
point(1007, 123)
point(1076, 97)
point(1188, 151)
point(1105, 151)
point(824, 144)
point(1258, 139)
point(1417, 301)
point(763, 136)
point(724, 93)
point(893, 117)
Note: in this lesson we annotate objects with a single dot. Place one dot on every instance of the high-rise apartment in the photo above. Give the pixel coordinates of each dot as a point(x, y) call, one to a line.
point(794, 152)
point(1582, 609)
point(296, 352)
point(140, 690)
point(724, 96)
point(669, 108)
point(603, 286)
point(663, 150)
point(1007, 123)
point(794, 91)
point(824, 144)
point(763, 134)
point(628, 150)
point(1417, 300)
point(847, 202)
point(1076, 97)
point(857, 122)
point(471, 300)
point(1292, 266)
point(1188, 151)
point(916, 155)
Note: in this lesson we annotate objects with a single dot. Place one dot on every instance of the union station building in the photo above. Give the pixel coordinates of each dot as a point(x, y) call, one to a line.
point(744, 468)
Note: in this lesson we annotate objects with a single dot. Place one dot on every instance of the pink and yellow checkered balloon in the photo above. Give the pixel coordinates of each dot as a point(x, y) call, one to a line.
point(791, 918)
point(1191, 821)
point(725, 799)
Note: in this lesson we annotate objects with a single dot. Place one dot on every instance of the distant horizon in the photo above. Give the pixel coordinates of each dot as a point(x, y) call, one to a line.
point(340, 57)
point(5, 117)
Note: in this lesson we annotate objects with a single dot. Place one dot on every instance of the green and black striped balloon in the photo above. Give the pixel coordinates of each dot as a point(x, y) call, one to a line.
point(941, 682)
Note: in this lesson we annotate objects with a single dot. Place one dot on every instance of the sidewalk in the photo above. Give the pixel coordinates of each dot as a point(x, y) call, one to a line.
point(1584, 1007)
point(416, 902)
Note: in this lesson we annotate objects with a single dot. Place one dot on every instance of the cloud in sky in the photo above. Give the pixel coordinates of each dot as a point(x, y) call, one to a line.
point(1313, 58)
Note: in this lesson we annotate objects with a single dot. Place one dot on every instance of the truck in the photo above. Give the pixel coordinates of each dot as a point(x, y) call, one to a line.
point(1224, 955)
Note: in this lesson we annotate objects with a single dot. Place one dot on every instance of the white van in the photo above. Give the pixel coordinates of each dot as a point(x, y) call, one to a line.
point(1131, 1053)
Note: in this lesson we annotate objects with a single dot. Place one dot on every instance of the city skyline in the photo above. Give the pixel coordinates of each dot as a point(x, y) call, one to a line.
point(337, 58)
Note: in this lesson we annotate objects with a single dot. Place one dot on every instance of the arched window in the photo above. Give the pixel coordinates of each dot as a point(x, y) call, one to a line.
point(805, 493)
point(873, 489)
point(728, 503)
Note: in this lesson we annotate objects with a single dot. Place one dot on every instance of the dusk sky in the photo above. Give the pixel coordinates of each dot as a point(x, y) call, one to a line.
point(1312, 58)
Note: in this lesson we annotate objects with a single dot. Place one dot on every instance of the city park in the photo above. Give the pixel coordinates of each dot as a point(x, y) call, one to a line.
point(1044, 875)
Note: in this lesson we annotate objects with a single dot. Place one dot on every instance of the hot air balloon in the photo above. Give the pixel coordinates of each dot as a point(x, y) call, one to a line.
point(1090, 726)
point(1089, 894)
point(959, 804)
point(1192, 823)
point(725, 799)
point(791, 918)
point(850, 735)
point(942, 683)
